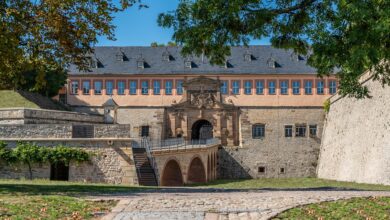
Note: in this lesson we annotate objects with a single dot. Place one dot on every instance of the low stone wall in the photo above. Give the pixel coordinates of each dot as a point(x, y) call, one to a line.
point(60, 131)
point(109, 163)
point(356, 139)
point(43, 116)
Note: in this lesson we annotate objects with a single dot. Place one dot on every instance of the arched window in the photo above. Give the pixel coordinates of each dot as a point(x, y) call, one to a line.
point(258, 131)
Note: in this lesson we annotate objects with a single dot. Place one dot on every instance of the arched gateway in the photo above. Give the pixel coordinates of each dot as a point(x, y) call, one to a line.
point(202, 130)
point(202, 113)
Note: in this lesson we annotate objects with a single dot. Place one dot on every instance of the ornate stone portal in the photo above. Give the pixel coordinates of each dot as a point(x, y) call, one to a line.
point(202, 105)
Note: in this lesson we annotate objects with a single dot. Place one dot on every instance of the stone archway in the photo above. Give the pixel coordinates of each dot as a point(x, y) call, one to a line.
point(172, 175)
point(202, 130)
point(196, 171)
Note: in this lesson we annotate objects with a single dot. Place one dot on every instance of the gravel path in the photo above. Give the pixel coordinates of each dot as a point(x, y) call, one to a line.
point(209, 204)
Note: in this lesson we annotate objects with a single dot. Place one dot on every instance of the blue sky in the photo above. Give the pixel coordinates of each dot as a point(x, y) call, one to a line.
point(137, 27)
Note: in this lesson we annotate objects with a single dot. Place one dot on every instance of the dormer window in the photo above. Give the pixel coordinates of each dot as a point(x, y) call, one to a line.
point(188, 64)
point(272, 63)
point(248, 56)
point(141, 64)
point(166, 56)
point(297, 57)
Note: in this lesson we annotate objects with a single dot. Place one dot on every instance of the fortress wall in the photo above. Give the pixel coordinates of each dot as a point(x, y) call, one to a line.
point(297, 155)
point(44, 116)
point(356, 139)
point(61, 131)
point(109, 164)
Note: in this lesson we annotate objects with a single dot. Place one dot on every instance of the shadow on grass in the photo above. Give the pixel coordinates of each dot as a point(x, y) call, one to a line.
point(66, 189)
point(241, 185)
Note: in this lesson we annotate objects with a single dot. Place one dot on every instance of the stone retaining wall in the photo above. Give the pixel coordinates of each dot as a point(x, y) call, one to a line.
point(109, 164)
point(60, 131)
point(43, 116)
point(356, 138)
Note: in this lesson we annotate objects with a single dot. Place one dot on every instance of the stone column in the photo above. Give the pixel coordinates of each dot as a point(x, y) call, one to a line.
point(229, 123)
point(172, 125)
point(184, 127)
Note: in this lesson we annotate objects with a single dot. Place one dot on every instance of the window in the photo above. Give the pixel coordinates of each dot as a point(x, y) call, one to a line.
point(133, 87)
point(74, 87)
point(247, 56)
point(248, 87)
point(156, 87)
point(308, 87)
point(313, 130)
point(258, 131)
point(121, 88)
point(300, 130)
point(224, 87)
point(284, 87)
point(86, 87)
point(168, 87)
point(320, 87)
point(271, 87)
point(109, 87)
point(261, 170)
point(288, 130)
point(282, 170)
point(98, 87)
point(140, 64)
point(236, 87)
point(144, 87)
point(296, 87)
point(188, 64)
point(144, 131)
point(332, 87)
point(83, 131)
point(259, 87)
point(179, 87)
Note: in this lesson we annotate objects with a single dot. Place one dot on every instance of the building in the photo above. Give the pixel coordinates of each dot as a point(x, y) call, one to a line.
point(264, 104)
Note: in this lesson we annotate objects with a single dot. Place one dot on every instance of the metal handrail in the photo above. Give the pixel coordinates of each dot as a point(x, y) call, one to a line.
point(146, 144)
point(180, 143)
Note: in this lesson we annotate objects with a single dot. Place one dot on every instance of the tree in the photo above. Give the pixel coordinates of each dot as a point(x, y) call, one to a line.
point(44, 37)
point(341, 36)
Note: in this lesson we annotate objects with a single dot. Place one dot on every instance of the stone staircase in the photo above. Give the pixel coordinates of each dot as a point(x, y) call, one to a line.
point(145, 172)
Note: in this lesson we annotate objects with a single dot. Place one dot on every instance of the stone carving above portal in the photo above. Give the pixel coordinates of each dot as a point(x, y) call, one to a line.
point(203, 99)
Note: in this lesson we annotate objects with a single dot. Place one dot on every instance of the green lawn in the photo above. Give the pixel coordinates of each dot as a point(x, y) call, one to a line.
point(357, 208)
point(12, 99)
point(285, 183)
point(51, 207)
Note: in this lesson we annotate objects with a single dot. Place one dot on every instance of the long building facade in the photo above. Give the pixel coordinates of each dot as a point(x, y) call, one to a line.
point(264, 104)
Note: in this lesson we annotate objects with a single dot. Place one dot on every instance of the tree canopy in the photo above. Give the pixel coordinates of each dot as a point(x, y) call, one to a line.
point(38, 39)
point(346, 37)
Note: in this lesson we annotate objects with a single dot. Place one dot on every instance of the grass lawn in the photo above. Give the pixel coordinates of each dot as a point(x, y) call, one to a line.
point(43, 199)
point(290, 183)
point(12, 99)
point(356, 208)
point(51, 207)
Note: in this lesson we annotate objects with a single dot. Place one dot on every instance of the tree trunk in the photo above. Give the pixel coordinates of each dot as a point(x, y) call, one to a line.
point(30, 171)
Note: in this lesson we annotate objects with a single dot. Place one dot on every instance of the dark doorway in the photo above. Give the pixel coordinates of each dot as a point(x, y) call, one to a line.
point(172, 175)
point(59, 171)
point(202, 130)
